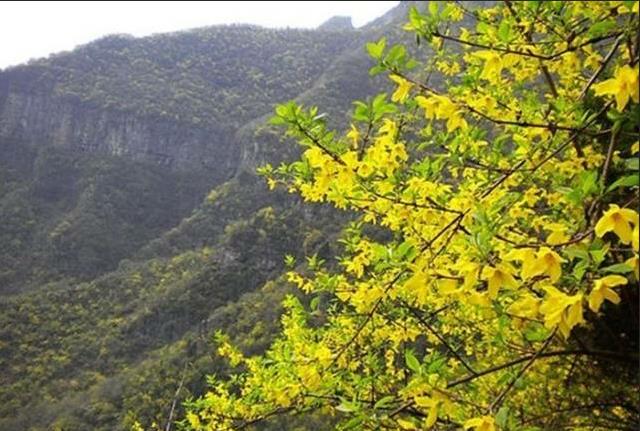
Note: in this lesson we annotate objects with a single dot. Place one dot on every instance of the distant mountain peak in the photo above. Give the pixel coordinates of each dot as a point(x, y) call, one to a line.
point(337, 23)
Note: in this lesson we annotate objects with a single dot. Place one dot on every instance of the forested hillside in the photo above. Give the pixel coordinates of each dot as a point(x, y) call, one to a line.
point(133, 223)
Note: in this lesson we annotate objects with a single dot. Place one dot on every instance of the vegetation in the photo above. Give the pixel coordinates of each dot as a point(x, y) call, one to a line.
point(498, 151)
point(243, 69)
point(490, 280)
point(78, 215)
point(115, 272)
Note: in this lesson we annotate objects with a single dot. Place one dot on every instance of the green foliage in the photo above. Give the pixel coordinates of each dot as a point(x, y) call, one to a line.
point(118, 271)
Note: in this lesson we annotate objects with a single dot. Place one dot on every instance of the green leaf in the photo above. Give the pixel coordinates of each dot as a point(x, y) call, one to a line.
point(628, 181)
point(289, 261)
point(375, 49)
point(502, 417)
point(412, 362)
point(536, 333)
point(504, 31)
point(580, 269)
point(377, 69)
point(396, 54)
point(618, 268)
point(277, 121)
point(632, 164)
point(576, 251)
point(483, 27)
point(433, 8)
point(347, 407)
point(384, 402)
point(415, 18)
point(436, 365)
point(353, 423)
point(403, 249)
point(600, 28)
point(598, 256)
point(314, 303)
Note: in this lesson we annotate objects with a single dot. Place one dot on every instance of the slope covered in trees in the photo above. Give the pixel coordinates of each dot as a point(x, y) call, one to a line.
point(116, 270)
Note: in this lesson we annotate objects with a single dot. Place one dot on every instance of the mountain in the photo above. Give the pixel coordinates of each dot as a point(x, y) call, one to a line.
point(134, 225)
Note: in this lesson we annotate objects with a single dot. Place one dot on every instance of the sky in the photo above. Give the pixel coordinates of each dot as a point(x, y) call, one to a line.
point(36, 29)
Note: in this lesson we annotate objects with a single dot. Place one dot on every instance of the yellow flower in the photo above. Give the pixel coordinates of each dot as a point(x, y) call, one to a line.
point(602, 290)
point(499, 276)
point(492, 65)
point(548, 262)
point(528, 306)
point(456, 121)
point(354, 135)
point(365, 170)
point(429, 105)
point(194, 420)
point(432, 405)
point(484, 423)
point(528, 259)
point(558, 233)
point(623, 85)
point(350, 159)
point(402, 92)
point(618, 220)
point(561, 310)
point(442, 108)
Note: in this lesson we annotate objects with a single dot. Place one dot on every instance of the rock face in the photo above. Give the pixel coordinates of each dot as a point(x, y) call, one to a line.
point(44, 119)
point(337, 23)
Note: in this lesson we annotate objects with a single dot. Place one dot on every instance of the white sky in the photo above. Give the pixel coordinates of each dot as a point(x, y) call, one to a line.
point(37, 29)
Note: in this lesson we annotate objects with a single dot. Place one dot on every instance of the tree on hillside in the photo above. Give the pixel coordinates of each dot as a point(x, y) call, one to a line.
point(490, 280)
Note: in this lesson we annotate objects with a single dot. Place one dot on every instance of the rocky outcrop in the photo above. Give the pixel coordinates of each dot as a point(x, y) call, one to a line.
point(337, 23)
point(36, 118)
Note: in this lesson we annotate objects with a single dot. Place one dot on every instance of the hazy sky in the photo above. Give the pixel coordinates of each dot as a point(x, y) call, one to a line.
point(37, 29)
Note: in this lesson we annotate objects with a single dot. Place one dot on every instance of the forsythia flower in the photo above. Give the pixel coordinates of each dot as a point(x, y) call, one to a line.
point(354, 135)
point(558, 234)
point(492, 65)
point(500, 276)
point(402, 92)
point(528, 307)
point(602, 290)
point(548, 262)
point(561, 310)
point(194, 420)
point(442, 108)
point(528, 259)
point(484, 423)
point(623, 85)
point(618, 220)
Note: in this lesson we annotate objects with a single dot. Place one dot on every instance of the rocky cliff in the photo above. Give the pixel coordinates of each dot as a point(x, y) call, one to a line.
point(39, 118)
